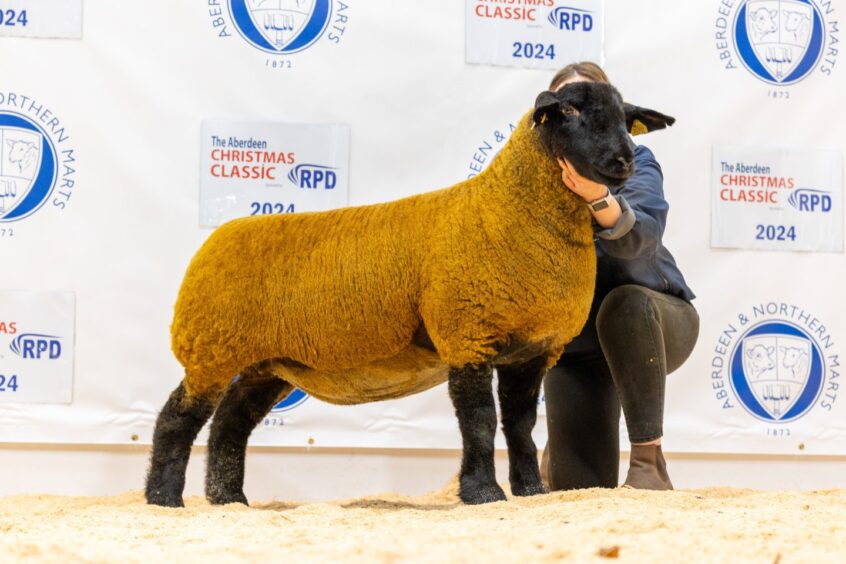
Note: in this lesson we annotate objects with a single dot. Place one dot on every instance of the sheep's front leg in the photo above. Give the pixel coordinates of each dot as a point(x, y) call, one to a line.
point(519, 387)
point(472, 396)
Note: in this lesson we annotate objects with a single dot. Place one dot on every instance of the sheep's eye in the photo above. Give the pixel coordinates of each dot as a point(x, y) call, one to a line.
point(570, 111)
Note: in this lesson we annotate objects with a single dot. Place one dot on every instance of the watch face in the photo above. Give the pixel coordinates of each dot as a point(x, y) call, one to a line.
point(600, 205)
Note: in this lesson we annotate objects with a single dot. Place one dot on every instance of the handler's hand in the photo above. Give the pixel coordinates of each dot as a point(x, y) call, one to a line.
point(587, 189)
point(590, 191)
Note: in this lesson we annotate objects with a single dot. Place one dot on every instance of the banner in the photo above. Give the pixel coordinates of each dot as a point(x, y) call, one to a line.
point(41, 18)
point(777, 199)
point(103, 187)
point(539, 34)
point(268, 168)
point(36, 347)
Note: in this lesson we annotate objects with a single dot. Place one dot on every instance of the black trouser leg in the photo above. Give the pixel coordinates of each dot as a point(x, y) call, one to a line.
point(583, 421)
point(645, 335)
point(178, 424)
point(519, 387)
point(472, 397)
point(244, 405)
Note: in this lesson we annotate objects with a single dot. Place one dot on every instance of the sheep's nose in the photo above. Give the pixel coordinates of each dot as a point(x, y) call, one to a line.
point(627, 164)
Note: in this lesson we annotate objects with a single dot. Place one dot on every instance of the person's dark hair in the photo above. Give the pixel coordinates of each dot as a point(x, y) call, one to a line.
point(586, 69)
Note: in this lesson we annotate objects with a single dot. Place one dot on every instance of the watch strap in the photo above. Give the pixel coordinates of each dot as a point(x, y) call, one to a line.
point(601, 203)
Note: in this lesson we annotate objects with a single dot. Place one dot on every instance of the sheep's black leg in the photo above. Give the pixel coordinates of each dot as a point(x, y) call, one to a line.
point(519, 387)
point(177, 426)
point(244, 405)
point(472, 397)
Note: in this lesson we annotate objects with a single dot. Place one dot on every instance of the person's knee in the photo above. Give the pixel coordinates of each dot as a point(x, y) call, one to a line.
point(681, 342)
point(622, 311)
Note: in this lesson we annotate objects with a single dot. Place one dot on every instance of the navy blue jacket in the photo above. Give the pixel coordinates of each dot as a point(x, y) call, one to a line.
point(631, 252)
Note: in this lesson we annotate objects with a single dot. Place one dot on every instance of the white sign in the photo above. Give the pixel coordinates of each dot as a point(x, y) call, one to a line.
point(538, 34)
point(777, 199)
point(256, 168)
point(773, 371)
point(36, 347)
point(41, 18)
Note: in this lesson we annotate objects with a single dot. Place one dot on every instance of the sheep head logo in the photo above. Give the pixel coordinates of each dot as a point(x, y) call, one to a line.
point(22, 153)
point(777, 371)
point(281, 26)
point(588, 124)
point(780, 41)
point(762, 22)
point(759, 360)
point(798, 25)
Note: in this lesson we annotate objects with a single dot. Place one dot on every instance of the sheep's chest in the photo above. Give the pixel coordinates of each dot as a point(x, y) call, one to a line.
point(556, 299)
point(503, 303)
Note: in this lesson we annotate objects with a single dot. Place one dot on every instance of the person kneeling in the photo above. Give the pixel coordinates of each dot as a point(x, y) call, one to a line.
point(642, 327)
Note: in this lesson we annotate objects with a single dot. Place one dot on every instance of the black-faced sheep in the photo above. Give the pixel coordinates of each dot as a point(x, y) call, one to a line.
point(370, 303)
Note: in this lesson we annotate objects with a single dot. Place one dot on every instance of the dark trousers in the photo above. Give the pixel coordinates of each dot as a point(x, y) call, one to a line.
point(642, 336)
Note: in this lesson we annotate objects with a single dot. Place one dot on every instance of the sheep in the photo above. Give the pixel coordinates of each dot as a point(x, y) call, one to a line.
point(377, 302)
point(796, 361)
point(798, 24)
point(22, 153)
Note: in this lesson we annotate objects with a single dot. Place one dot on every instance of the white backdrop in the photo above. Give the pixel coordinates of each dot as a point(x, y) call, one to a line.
point(133, 93)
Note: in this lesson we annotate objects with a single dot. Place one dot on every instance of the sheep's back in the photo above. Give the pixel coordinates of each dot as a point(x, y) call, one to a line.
point(329, 290)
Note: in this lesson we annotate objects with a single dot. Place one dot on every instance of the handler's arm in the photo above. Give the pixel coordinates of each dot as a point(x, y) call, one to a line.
point(639, 229)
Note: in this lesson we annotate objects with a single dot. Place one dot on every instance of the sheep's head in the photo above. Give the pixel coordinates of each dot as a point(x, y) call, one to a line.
point(588, 124)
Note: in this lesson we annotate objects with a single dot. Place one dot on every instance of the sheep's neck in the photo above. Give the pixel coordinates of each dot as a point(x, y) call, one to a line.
point(528, 179)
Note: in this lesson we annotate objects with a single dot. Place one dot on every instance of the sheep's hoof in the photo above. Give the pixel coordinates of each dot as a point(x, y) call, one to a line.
point(481, 494)
point(224, 498)
point(524, 490)
point(164, 500)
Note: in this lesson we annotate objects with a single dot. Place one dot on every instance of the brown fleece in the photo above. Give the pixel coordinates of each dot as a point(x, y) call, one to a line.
point(500, 262)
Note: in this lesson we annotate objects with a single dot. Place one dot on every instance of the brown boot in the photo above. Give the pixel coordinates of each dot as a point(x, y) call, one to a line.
point(647, 469)
point(544, 467)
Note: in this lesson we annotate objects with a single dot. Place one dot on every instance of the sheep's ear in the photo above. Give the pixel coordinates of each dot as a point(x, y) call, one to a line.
point(642, 120)
point(546, 105)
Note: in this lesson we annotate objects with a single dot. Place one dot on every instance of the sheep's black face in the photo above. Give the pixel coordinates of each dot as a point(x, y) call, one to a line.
point(588, 124)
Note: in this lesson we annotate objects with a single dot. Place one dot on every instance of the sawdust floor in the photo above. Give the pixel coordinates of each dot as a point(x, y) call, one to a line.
point(714, 525)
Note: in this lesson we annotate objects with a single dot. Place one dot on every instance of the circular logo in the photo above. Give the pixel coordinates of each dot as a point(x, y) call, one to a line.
point(28, 167)
point(779, 41)
point(281, 27)
point(295, 398)
point(777, 371)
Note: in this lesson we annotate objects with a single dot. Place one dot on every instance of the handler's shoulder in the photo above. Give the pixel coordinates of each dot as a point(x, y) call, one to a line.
point(644, 152)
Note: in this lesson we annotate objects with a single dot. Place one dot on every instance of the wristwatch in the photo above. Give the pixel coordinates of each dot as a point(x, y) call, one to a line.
point(601, 203)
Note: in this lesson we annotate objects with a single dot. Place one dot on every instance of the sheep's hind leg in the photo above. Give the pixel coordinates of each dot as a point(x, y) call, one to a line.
point(519, 387)
point(472, 397)
point(244, 405)
point(177, 425)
